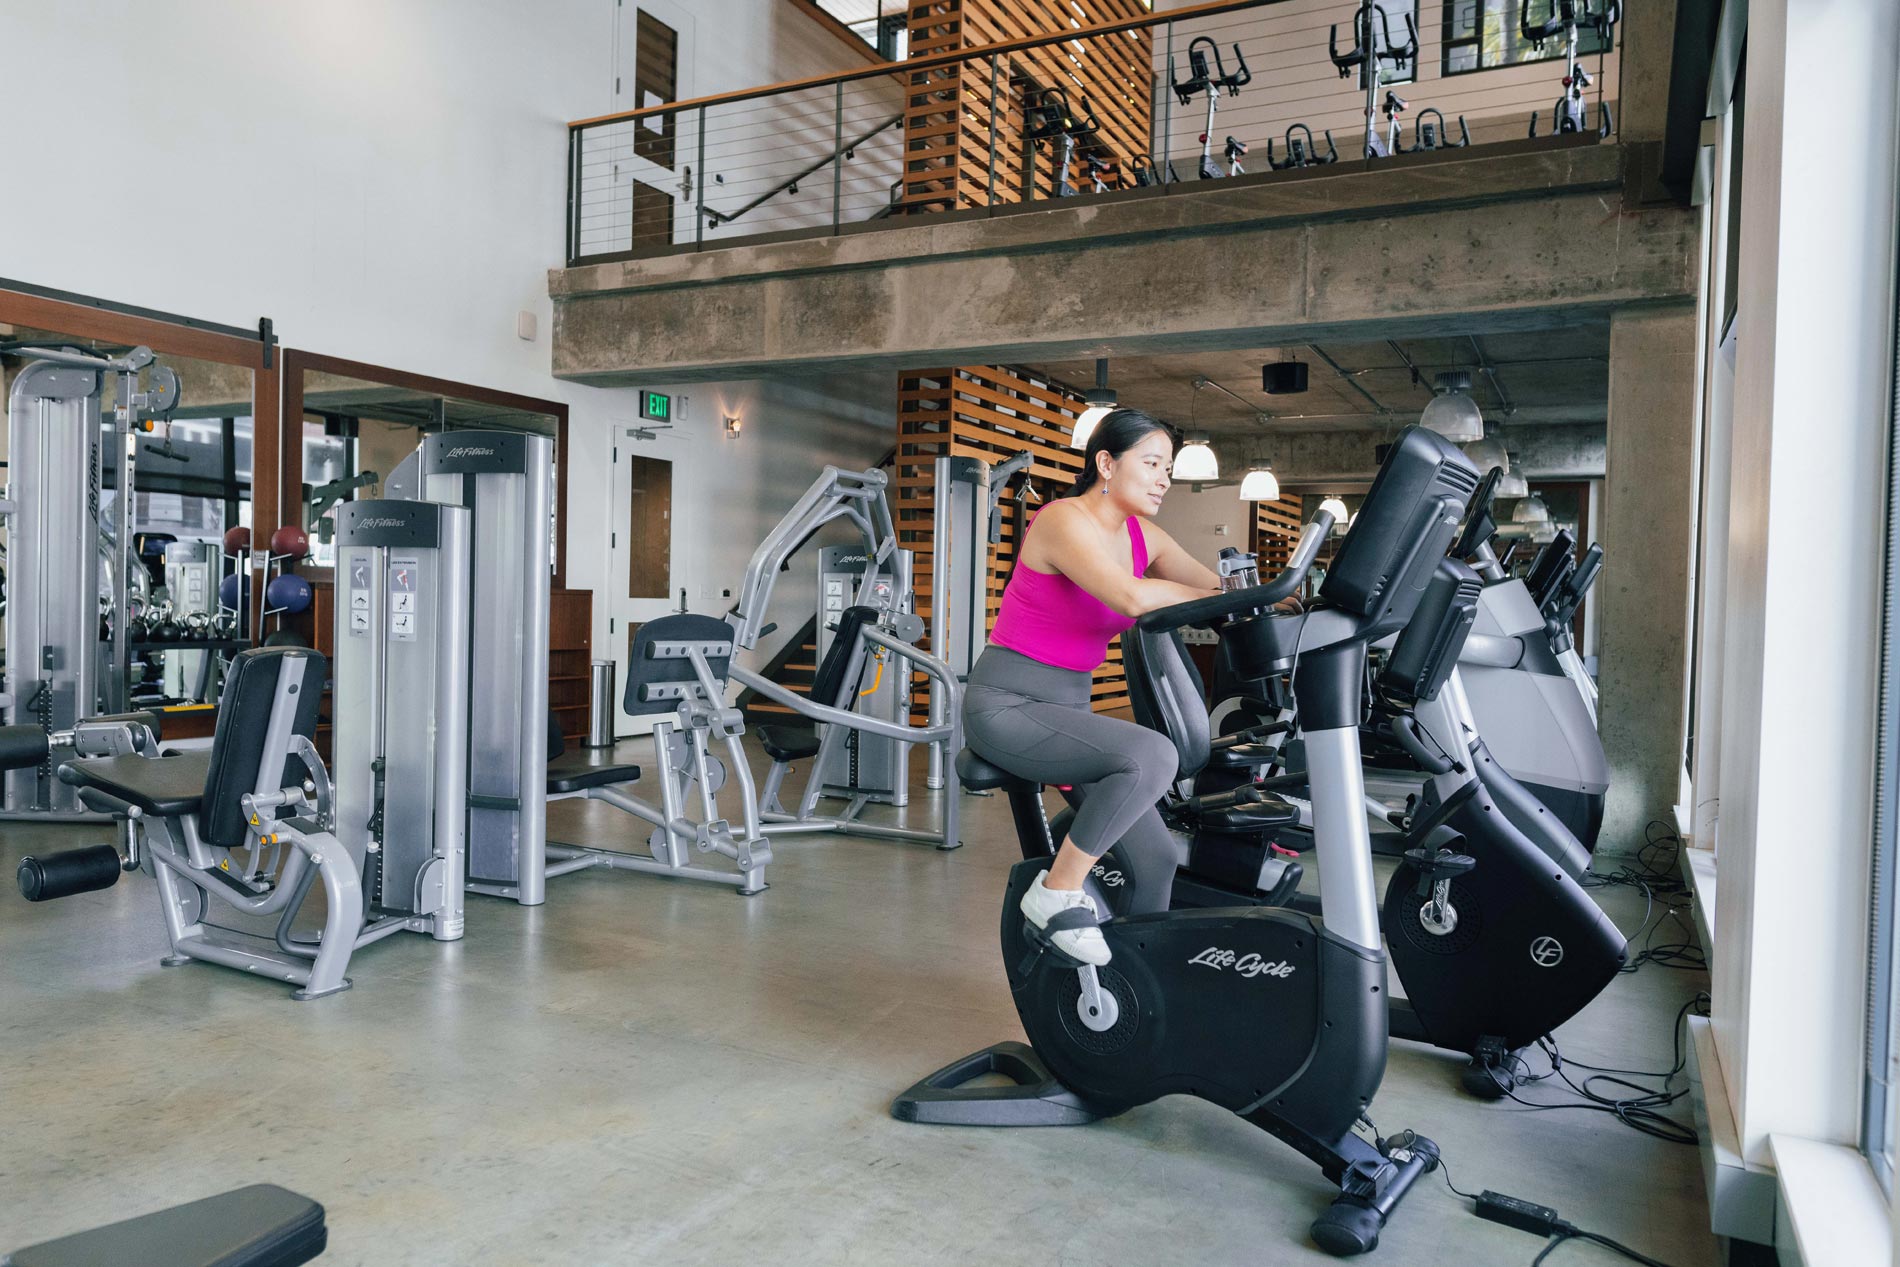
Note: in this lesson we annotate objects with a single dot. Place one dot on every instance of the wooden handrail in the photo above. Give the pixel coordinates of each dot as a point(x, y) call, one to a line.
point(932, 62)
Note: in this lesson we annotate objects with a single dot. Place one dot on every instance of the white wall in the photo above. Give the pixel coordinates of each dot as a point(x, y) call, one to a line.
point(387, 182)
point(1194, 519)
point(750, 147)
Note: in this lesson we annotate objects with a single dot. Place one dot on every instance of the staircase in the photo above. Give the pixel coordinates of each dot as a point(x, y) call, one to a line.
point(792, 668)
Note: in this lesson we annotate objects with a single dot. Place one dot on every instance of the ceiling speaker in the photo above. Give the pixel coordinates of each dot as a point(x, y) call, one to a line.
point(1281, 378)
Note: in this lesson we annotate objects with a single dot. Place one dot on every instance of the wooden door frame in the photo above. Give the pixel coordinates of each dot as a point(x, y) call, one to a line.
point(298, 363)
point(87, 317)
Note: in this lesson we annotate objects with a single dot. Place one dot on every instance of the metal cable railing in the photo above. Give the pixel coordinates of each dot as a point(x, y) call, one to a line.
point(1250, 90)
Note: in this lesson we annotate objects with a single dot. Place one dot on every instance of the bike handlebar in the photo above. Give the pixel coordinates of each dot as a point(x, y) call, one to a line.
point(1203, 611)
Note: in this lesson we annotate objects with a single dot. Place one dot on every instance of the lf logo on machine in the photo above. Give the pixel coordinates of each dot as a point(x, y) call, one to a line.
point(1248, 965)
point(1547, 952)
point(380, 523)
point(1113, 879)
point(470, 451)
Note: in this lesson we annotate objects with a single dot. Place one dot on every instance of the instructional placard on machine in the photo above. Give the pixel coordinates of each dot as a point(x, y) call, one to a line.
point(359, 596)
point(402, 599)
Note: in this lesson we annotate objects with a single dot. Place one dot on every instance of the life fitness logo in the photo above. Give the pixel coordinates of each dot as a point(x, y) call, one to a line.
point(470, 451)
point(381, 523)
point(1547, 952)
point(1248, 965)
point(1113, 879)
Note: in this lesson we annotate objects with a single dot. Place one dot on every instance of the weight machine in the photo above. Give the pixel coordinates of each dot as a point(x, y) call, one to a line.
point(876, 635)
point(66, 659)
point(1568, 17)
point(1203, 80)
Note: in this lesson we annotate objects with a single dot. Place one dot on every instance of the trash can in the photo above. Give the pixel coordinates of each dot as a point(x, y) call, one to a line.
point(600, 705)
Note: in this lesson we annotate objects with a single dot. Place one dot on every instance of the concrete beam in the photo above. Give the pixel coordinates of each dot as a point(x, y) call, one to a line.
point(1343, 460)
point(1528, 240)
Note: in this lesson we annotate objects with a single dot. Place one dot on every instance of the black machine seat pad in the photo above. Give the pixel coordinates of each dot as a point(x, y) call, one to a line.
point(788, 743)
point(259, 1226)
point(578, 776)
point(978, 775)
point(1246, 819)
point(165, 787)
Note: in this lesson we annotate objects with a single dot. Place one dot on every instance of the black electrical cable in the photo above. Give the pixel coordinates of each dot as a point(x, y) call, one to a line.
point(1655, 875)
point(1641, 1111)
point(1570, 1233)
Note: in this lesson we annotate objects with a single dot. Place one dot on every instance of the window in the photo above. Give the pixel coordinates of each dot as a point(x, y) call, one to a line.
point(1484, 35)
point(1879, 1104)
point(880, 23)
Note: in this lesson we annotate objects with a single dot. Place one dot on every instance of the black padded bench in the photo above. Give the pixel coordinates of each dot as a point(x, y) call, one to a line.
point(567, 774)
point(787, 743)
point(163, 787)
point(259, 1226)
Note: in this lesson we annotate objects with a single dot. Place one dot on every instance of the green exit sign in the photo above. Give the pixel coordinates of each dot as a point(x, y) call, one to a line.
point(656, 406)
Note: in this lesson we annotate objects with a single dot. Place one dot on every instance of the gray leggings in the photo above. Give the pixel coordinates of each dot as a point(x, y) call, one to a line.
point(1034, 720)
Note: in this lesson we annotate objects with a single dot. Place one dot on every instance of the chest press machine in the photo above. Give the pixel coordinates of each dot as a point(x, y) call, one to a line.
point(874, 640)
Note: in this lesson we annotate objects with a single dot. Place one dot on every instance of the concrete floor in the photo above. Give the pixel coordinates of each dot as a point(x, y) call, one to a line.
point(657, 1071)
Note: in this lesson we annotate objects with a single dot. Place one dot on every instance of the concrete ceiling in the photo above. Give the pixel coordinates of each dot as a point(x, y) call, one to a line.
point(1535, 377)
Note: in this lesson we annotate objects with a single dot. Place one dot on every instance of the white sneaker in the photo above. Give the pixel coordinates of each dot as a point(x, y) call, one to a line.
point(1041, 904)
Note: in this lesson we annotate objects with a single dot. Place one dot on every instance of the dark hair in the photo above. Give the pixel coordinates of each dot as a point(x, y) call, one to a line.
point(1114, 435)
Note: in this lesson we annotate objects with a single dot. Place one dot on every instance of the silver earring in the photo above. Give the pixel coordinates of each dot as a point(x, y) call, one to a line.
point(1104, 488)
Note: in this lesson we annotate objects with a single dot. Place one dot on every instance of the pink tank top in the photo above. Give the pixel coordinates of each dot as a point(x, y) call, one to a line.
point(1050, 618)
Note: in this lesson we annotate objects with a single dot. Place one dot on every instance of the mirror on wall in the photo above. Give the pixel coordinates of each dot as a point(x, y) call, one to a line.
point(356, 433)
point(190, 488)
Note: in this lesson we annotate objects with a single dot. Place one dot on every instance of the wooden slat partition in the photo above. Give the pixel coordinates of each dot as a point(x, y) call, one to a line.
point(949, 114)
point(992, 413)
point(1276, 529)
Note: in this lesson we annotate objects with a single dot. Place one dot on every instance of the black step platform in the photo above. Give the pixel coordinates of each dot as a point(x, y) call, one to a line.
point(259, 1226)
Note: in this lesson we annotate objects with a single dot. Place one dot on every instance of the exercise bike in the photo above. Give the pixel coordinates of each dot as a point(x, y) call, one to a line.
point(1272, 1013)
point(1486, 919)
point(1570, 114)
point(1372, 44)
point(1209, 81)
point(1048, 117)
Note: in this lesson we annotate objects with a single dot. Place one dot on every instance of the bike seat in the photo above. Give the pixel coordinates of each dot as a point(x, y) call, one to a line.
point(978, 775)
point(1255, 816)
point(1238, 756)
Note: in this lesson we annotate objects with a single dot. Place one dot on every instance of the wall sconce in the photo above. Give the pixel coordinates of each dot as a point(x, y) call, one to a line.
point(733, 427)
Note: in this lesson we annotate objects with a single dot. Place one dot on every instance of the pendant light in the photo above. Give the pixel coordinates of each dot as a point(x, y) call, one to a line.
point(1337, 509)
point(1260, 484)
point(1101, 403)
point(1531, 511)
point(1452, 413)
point(1195, 463)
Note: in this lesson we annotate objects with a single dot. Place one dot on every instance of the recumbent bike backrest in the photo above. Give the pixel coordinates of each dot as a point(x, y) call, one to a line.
point(270, 695)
